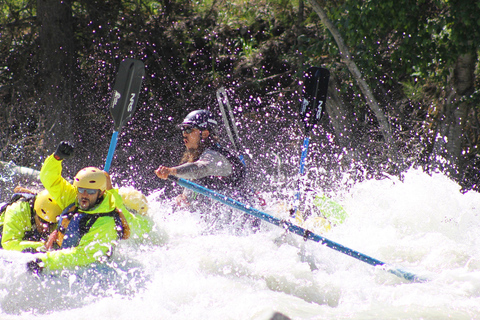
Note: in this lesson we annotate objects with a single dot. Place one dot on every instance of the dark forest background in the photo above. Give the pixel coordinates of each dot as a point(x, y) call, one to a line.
point(404, 88)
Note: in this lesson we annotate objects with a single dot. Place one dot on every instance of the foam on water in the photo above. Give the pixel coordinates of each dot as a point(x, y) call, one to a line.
point(423, 225)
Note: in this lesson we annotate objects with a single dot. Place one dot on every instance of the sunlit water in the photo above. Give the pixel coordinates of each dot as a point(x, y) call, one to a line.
point(424, 225)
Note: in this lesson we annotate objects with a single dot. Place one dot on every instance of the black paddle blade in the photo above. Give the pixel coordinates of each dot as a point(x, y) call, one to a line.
point(314, 92)
point(126, 91)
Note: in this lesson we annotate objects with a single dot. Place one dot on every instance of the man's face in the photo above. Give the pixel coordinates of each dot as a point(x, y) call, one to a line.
point(87, 198)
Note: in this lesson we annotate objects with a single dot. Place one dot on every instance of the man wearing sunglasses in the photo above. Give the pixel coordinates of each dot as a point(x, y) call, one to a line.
point(93, 220)
point(206, 162)
point(27, 221)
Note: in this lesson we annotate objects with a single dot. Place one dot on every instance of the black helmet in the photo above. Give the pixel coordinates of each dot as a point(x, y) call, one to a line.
point(201, 119)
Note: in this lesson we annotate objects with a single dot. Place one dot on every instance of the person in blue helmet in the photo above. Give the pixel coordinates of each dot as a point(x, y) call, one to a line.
point(205, 162)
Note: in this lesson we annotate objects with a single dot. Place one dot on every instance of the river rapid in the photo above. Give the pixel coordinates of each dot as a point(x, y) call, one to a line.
point(422, 224)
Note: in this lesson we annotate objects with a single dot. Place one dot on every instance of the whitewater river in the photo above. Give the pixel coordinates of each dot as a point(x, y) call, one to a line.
point(423, 225)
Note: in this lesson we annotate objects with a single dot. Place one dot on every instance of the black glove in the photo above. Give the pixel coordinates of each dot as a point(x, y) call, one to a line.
point(35, 266)
point(64, 150)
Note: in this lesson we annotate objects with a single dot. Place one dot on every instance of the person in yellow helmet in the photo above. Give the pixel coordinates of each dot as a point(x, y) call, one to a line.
point(27, 221)
point(134, 200)
point(94, 217)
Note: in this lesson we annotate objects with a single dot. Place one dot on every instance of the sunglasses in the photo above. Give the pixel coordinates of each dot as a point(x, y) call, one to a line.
point(187, 130)
point(89, 191)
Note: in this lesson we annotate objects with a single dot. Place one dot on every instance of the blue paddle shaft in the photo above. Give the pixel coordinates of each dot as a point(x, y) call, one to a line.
point(111, 151)
point(306, 142)
point(242, 159)
point(307, 235)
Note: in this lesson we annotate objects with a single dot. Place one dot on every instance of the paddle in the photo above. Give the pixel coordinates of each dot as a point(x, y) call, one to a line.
point(307, 235)
point(229, 121)
point(314, 92)
point(125, 97)
point(232, 130)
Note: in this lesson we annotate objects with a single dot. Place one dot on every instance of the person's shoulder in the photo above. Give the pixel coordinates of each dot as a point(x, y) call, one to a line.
point(218, 150)
point(17, 207)
point(20, 204)
point(212, 155)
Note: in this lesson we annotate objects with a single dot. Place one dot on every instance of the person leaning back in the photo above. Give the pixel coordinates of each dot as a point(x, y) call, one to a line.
point(93, 219)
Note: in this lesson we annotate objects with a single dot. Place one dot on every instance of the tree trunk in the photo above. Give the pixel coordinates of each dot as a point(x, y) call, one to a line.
point(367, 92)
point(56, 57)
point(450, 136)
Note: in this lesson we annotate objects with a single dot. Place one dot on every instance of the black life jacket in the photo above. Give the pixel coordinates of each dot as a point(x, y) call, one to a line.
point(225, 183)
point(73, 225)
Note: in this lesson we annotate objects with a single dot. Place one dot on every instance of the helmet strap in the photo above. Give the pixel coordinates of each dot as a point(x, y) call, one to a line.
point(100, 197)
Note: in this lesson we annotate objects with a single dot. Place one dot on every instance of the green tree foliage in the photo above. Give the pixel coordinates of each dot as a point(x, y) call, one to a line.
point(406, 49)
point(394, 41)
point(417, 50)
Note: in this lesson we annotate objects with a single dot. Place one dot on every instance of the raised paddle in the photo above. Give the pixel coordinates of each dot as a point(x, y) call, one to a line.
point(229, 121)
point(124, 100)
point(314, 93)
point(232, 130)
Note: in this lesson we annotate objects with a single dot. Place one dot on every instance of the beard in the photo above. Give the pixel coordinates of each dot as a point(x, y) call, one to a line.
point(85, 203)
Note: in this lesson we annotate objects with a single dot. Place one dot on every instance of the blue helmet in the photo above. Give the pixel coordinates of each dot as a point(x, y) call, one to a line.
point(201, 119)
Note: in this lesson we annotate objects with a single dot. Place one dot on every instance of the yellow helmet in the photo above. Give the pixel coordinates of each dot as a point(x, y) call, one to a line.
point(134, 200)
point(46, 208)
point(90, 178)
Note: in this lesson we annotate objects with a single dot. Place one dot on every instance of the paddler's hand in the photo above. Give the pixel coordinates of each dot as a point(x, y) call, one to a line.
point(64, 151)
point(163, 172)
point(35, 266)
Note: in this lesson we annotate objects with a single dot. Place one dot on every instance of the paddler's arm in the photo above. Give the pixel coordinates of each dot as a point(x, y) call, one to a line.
point(51, 177)
point(94, 246)
point(17, 222)
point(210, 163)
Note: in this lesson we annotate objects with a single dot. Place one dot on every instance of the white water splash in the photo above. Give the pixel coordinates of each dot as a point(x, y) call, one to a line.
point(424, 225)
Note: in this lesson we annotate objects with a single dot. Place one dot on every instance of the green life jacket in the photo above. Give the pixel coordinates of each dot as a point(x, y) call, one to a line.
point(32, 235)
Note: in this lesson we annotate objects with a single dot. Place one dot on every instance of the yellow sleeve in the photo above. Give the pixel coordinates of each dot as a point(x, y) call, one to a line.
point(94, 246)
point(17, 222)
point(139, 225)
point(51, 176)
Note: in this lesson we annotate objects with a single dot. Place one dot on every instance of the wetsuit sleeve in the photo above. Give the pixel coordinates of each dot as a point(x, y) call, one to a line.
point(17, 223)
point(94, 246)
point(51, 176)
point(139, 225)
point(210, 163)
